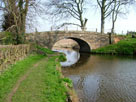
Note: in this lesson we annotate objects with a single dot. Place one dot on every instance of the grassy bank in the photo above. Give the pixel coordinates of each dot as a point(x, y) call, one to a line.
point(10, 76)
point(35, 79)
point(44, 84)
point(124, 47)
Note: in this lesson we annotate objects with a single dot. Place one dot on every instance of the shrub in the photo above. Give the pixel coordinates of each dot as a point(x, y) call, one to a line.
point(62, 58)
point(9, 38)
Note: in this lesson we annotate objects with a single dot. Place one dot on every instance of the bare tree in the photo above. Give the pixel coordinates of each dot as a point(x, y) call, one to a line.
point(105, 7)
point(18, 11)
point(118, 8)
point(68, 8)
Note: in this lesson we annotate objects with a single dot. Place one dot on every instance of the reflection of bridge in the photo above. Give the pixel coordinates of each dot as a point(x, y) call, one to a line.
point(86, 40)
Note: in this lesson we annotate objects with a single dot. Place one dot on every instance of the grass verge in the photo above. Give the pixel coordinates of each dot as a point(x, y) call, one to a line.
point(44, 84)
point(43, 50)
point(12, 74)
point(124, 47)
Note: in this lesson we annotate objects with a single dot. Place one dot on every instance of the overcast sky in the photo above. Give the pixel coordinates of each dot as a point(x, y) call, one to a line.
point(123, 24)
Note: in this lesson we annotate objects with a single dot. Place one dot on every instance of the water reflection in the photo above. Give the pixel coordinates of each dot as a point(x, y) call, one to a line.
point(104, 79)
point(71, 55)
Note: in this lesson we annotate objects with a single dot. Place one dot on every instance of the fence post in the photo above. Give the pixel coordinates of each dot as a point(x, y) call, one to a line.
point(96, 30)
point(66, 28)
point(122, 32)
point(77, 28)
point(36, 31)
point(51, 28)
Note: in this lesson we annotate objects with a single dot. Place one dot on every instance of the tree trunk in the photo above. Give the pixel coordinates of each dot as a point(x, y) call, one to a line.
point(102, 23)
point(82, 24)
point(114, 15)
point(113, 26)
point(81, 21)
point(22, 21)
point(110, 40)
point(103, 16)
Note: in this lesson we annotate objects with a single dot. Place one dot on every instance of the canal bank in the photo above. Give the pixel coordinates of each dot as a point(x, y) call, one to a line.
point(37, 78)
point(124, 47)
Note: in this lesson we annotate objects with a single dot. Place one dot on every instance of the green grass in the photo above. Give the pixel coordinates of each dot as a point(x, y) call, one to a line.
point(10, 76)
point(62, 57)
point(124, 47)
point(44, 84)
point(43, 50)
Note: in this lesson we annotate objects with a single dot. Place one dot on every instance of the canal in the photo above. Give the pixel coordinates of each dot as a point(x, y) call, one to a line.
point(101, 78)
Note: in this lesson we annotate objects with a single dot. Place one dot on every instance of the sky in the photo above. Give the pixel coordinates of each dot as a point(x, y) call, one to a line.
point(123, 24)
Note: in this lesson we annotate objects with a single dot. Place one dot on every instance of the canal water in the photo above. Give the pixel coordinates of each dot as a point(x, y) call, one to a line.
point(98, 78)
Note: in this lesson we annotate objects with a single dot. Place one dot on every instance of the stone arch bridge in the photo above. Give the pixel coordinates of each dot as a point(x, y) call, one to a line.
point(86, 40)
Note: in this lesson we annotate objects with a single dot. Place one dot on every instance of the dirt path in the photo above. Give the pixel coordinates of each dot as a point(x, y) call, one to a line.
point(22, 78)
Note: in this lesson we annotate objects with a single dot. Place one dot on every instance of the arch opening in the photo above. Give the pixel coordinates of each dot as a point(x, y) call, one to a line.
point(66, 43)
point(74, 43)
point(84, 46)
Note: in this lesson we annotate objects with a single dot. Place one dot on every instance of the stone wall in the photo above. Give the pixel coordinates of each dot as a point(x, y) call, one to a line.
point(9, 54)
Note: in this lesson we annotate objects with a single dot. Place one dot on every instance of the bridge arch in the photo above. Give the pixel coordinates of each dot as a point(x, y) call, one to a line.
point(86, 40)
point(83, 45)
